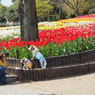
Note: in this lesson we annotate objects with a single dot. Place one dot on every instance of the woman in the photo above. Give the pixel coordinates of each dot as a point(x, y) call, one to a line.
point(2, 68)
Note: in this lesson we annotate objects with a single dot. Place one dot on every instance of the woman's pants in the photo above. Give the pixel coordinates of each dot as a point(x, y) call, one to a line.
point(2, 75)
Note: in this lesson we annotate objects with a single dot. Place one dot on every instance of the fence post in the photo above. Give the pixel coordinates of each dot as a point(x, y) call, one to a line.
point(17, 54)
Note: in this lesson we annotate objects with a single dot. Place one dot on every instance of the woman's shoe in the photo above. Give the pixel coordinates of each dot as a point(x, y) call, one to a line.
point(1, 83)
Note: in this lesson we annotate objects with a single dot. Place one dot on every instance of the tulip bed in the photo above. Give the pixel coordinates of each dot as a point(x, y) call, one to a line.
point(54, 42)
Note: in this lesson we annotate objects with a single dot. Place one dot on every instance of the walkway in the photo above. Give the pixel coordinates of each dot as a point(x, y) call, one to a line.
point(76, 85)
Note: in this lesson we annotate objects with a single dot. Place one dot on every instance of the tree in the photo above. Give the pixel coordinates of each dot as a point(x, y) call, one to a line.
point(78, 6)
point(28, 20)
point(43, 9)
point(57, 7)
point(3, 10)
point(57, 11)
point(11, 13)
point(92, 11)
point(13, 0)
point(91, 7)
point(0, 1)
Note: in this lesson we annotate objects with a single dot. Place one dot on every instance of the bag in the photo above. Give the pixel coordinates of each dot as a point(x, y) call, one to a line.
point(3, 62)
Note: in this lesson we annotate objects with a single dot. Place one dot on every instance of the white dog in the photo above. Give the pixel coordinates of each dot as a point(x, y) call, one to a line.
point(38, 55)
point(27, 64)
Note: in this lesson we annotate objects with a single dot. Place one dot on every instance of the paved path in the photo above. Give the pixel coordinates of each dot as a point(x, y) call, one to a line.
point(17, 90)
point(22, 89)
point(76, 85)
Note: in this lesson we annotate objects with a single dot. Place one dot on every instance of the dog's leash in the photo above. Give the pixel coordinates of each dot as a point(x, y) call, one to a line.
point(34, 63)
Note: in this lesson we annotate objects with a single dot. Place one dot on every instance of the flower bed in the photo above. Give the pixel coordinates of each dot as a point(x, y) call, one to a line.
point(69, 40)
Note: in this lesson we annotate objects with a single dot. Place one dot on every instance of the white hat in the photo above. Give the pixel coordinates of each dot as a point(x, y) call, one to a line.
point(32, 46)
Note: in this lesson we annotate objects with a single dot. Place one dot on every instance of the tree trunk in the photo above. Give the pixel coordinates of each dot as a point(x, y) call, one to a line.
point(28, 20)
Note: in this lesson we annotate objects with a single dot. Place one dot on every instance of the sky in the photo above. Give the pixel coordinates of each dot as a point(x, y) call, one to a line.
point(6, 2)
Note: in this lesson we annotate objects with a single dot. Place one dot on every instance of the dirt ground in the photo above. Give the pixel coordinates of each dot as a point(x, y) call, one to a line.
point(74, 85)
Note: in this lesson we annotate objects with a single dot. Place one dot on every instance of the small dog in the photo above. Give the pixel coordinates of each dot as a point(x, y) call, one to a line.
point(27, 64)
point(38, 55)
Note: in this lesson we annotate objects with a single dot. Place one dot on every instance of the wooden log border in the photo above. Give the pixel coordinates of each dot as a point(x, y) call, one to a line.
point(52, 73)
point(59, 66)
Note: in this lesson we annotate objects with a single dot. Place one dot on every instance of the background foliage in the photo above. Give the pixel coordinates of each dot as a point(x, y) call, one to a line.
point(50, 10)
